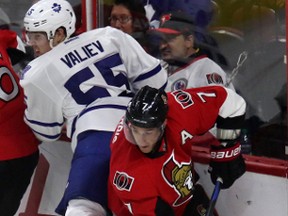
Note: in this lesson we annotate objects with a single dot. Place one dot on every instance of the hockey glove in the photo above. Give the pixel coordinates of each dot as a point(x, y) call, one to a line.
point(226, 162)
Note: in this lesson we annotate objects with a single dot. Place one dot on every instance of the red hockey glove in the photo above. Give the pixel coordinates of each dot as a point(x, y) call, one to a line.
point(226, 162)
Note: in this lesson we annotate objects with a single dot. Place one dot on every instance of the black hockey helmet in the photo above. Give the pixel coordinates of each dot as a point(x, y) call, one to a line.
point(148, 108)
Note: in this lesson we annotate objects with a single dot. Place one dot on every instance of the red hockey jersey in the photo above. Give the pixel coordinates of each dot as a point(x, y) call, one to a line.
point(16, 139)
point(136, 181)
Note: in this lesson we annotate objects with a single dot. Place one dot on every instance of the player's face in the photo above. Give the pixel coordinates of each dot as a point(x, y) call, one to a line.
point(145, 138)
point(121, 18)
point(173, 47)
point(39, 42)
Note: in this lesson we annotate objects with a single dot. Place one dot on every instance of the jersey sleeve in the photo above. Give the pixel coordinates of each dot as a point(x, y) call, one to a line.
point(143, 69)
point(13, 45)
point(213, 74)
point(114, 202)
point(9, 39)
point(231, 117)
point(199, 109)
point(43, 114)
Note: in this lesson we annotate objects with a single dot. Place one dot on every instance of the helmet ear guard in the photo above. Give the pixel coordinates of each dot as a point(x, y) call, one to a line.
point(49, 15)
point(148, 108)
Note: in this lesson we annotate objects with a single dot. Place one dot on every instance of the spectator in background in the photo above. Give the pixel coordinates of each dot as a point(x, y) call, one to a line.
point(188, 63)
point(201, 11)
point(19, 152)
point(130, 17)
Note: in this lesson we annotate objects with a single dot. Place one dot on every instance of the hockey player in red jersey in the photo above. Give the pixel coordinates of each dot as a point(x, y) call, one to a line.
point(18, 147)
point(151, 166)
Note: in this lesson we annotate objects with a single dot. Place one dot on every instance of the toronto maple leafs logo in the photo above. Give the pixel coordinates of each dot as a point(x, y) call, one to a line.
point(56, 7)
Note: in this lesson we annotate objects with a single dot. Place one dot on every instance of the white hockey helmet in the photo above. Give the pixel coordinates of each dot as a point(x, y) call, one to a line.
point(49, 15)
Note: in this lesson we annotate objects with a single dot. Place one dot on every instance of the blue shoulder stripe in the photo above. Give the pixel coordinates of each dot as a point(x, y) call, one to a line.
point(149, 74)
point(104, 106)
point(52, 137)
point(52, 124)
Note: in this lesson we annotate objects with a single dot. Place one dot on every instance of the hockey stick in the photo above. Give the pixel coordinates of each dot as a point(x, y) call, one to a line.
point(214, 197)
point(241, 59)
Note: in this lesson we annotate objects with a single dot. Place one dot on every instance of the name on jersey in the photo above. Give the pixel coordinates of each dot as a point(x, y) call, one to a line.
point(87, 51)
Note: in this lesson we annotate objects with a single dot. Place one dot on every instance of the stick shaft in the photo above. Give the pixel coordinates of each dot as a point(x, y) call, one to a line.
point(214, 197)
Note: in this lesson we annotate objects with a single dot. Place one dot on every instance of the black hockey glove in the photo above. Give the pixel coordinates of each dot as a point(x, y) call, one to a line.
point(226, 162)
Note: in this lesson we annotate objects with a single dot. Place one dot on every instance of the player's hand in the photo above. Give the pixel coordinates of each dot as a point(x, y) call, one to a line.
point(227, 163)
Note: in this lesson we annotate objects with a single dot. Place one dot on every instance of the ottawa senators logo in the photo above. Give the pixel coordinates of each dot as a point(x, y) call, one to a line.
point(214, 78)
point(123, 181)
point(9, 88)
point(183, 98)
point(179, 177)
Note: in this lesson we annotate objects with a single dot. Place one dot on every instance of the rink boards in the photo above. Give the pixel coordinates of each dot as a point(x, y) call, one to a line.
point(263, 190)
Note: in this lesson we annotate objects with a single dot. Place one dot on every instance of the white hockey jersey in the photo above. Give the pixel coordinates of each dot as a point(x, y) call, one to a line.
point(201, 71)
point(86, 80)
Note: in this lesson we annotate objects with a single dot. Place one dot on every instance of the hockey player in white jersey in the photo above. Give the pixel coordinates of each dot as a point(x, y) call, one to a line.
point(84, 83)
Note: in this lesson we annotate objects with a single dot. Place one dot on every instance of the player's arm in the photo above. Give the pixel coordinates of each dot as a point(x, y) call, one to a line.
point(143, 69)
point(117, 207)
point(42, 115)
point(226, 159)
